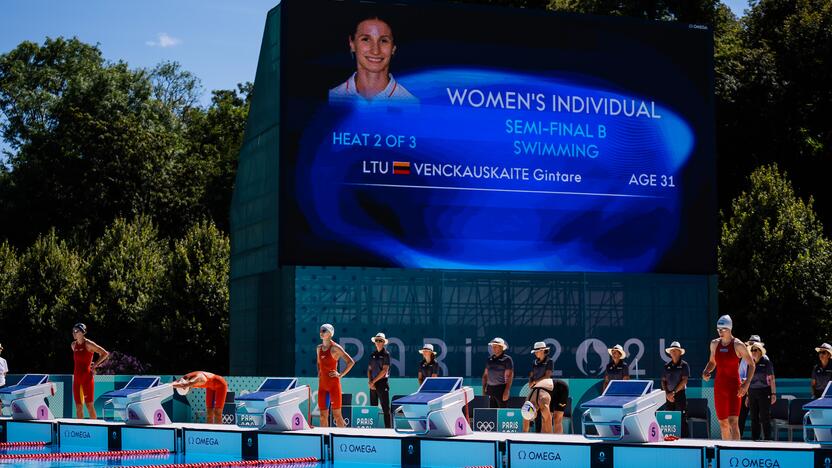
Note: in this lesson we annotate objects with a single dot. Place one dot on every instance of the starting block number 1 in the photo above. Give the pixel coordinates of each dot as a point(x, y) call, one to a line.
point(43, 412)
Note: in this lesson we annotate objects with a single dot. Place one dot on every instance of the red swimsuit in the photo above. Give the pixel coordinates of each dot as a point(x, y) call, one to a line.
point(727, 381)
point(215, 387)
point(82, 377)
point(329, 388)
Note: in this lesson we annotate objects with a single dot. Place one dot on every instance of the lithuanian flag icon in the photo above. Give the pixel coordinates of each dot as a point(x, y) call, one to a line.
point(401, 167)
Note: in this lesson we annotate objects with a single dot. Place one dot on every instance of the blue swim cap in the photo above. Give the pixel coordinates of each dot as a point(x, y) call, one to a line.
point(80, 327)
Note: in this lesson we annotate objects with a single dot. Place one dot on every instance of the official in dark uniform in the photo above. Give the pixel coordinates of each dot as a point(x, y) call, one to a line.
point(822, 373)
point(618, 369)
point(498, 374)
point(543, 368)
point(377, 372)
point(674, 382)
point(762, 393)
point(743, 377)
point(428, 367)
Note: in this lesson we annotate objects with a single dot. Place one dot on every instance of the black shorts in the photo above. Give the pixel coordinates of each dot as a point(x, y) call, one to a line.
point(560, 396)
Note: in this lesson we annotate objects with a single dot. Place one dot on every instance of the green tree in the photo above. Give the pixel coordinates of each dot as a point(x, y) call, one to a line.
point(8, 281)
point(126, 277)
point(93, 141)
point(775, 267)
point(776, 104)
point(47, 298)
point(215, 135)
point(194, 321)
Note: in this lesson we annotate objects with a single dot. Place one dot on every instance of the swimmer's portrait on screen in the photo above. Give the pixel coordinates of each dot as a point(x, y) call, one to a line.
point(373, 47)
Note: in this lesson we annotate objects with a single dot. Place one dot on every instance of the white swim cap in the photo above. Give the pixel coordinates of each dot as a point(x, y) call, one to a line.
point(328, 327)
point(725, 322)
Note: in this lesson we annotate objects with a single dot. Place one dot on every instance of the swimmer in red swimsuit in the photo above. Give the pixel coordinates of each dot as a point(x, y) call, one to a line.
point(726, 353)
point(215, 390)
point(83, 384)
point(329, 379)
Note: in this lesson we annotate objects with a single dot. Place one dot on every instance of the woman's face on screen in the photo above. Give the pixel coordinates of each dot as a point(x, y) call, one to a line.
point(373, 46)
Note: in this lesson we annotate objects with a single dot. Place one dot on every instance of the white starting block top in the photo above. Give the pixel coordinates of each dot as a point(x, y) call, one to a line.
point(438, 408)
point(140, 401)
point(275, 406)
point(626, 412)
point(27, 398)
point(819, 417)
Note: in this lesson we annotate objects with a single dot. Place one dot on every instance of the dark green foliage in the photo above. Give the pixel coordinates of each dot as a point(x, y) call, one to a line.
point(775, 267)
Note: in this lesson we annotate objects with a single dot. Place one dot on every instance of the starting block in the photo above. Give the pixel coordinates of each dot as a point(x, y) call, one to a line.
point(27, 398)
point(275, 406)
point(819, 417)
point(140, 401)
point(438, 408)
point(625, 412)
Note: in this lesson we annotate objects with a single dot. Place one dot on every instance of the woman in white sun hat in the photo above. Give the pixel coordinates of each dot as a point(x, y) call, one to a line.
point(498, 374)
point(762, 392)
point(674, 382)
point(617, 369)
point(428, 367)
point(822, 372)
point(377, 372)
point(541, 379)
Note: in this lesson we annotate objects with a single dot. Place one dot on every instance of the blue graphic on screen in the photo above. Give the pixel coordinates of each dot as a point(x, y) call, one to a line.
point(491, 169)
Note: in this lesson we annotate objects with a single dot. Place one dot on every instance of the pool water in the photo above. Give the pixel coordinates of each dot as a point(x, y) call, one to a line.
point(134, 461)
point(142, 461)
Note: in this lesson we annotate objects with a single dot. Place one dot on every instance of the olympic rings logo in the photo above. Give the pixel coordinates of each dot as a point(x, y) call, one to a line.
point(485, 426)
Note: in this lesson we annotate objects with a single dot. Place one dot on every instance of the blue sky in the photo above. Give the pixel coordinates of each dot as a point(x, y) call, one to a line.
point(217, 40)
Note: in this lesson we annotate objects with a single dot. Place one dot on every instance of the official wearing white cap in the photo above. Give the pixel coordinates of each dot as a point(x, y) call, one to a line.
point(498, 374)
point(674, 382)
point(429, 367)
point(617, 369)
point(822, 372)
point(377, 373)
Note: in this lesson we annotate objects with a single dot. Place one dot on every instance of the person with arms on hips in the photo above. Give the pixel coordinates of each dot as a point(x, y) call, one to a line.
point(822, 373)
point(4, 368)
point(216, 389)
point(618, 369)
point(762, 393)
point(83, 382)
point(499, 371)
point(743, 376)
point(726, 352)
point(329, 379)
point(377, 372)
point(675, 381)
point(373, 47)
point(429, 367)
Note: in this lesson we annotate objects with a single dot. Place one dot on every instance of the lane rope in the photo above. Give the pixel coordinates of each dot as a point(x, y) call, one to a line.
point(86, 455)
point(4, 445)
point(295, 462)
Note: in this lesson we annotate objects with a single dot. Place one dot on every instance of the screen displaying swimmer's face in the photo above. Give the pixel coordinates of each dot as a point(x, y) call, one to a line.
point(460, 137)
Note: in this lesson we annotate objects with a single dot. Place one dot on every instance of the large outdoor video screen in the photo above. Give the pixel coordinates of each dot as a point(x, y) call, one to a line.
point(454, 136)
